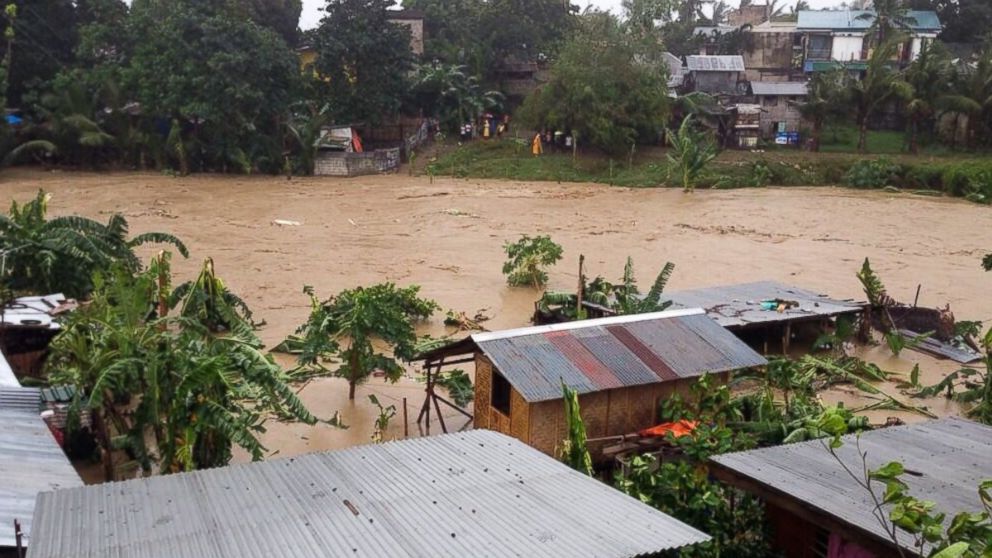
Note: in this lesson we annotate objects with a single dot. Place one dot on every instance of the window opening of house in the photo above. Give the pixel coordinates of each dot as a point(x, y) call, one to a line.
point(501, 394)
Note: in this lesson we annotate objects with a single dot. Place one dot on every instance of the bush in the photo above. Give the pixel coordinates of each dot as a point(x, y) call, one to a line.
point(969, 179)
point(872, 173)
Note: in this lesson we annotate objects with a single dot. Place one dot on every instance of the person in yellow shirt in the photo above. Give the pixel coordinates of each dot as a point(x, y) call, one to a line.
point(535, 146)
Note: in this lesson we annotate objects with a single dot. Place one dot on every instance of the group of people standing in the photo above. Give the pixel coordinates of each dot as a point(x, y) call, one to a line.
point(557, 139)
point(486, 127)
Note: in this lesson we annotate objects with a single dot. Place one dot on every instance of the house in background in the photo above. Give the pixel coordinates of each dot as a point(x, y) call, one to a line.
point(817, 508)
point(622, 367)
point(716, 75)
point(776, 52)
point(414, 21)
point(830, 37)
point(779, 113)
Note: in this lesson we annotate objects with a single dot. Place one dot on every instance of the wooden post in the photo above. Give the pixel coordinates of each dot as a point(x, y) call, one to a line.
point(19, 539)
point(786, 338)
point(427, 402)
point(582, 283)
point(406, 421)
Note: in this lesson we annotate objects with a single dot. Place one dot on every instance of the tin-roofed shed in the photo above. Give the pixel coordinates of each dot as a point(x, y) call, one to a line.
point(621, 366)
point(477, 493)
point(813, 503)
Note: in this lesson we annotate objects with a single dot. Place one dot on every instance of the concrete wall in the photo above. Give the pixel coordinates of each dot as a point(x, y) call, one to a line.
point(781, 111)
point(340, 163)
point(847, 48)
point(771, 58)
point(416, 27)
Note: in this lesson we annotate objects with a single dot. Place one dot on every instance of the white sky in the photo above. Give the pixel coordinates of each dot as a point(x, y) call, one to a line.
point(311, 8)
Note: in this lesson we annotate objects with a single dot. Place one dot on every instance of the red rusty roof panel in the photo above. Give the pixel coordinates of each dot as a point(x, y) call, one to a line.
point(584, 360)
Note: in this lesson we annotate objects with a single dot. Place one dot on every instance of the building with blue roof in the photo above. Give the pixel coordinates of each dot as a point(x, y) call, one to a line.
point(833, 38)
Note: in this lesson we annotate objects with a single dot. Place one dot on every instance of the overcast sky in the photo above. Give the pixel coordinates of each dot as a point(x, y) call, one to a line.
point(311, 12)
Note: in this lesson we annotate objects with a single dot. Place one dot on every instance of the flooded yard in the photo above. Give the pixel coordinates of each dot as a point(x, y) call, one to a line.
point(447, 236)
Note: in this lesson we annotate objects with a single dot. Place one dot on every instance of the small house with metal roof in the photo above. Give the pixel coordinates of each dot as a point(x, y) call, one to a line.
point(715, 75)
point(779, 106)
point(815, 506)
point(839, 37)
point(476, 493)
point(622, 367)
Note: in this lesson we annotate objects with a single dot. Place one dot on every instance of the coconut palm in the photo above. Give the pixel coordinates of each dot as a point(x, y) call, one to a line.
point(823, 100)
point(880, 84)
point(972, 96)
point(453, 94)
point(887, 16)
point(930, 78)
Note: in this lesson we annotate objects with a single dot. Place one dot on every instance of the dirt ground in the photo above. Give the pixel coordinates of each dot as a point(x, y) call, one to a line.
point(447, 236)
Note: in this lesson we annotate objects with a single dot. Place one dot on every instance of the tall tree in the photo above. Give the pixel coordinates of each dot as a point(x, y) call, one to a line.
point(880, 84)
point(972, 96)
point(602, 89)
point(823, 101)
point(930, 77)
point(45, 36)
point(887, 17)
point(363, 60)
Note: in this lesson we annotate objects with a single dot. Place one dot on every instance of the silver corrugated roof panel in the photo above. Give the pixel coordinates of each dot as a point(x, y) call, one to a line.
point(740, 305)
point(707, 63)
point(467, 494)
point(791, 88)
point(25, 399)
point(30, 462)
point(607, 353)
point(951, 456)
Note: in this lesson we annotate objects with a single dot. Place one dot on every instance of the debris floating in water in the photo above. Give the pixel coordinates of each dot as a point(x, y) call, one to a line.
point(286, 223)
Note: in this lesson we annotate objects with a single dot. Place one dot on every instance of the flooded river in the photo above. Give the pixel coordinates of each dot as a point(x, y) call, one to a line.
point(448, 237)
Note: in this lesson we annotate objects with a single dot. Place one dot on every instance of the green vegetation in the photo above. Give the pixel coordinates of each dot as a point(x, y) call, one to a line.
point(164, 390)
point(574, 452)
point(969, 177)
point(342, 329)
point(691, 151)
point(527, 258)
point(41, 256)
point(622, 298)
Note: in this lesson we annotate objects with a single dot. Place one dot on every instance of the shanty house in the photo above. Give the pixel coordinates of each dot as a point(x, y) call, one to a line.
point(476, 493)
point(839, 36)
point(716, 75)
point(622, 367)
point(816, 508)
point(779, 110)
point(775, 53)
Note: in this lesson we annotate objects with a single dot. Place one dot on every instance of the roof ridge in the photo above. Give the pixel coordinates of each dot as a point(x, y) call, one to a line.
point(582, 324)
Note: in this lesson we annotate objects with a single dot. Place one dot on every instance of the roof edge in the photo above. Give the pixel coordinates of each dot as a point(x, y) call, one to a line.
point(582, 324)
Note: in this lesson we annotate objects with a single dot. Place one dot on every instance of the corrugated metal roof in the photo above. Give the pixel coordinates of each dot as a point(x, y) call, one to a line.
point(728, 63)
point(740, 305)
point(30, 462)
point(796, 88)
point(951, 456)
point(32, 311)
point(20, 398)
point(607, 353)
point(851, 20)
point(466, 494)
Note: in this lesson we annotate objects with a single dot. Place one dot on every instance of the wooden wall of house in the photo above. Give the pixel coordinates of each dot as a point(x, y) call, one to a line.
point(483, 391)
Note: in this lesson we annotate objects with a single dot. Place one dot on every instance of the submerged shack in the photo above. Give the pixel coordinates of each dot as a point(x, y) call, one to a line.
point(816, 508)
point(476, 493)
point(622, 368)
point(764, 312)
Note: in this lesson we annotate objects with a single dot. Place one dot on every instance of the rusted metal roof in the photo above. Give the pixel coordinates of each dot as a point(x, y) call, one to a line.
point(948, 458)
point(736, 306)
point(614, 352)
point(477, 493)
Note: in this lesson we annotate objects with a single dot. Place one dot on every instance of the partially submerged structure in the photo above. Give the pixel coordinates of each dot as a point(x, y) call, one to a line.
point(467, 494)
point(622, 367)
point(813, 503)
point(31, 461)
point(759, 311)
point(340, 153)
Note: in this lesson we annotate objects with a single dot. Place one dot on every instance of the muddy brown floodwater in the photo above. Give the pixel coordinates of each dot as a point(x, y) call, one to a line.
point(447, 236)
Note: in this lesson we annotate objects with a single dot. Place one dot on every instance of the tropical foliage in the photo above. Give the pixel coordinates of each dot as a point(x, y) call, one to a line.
point(574, 450)
point(167, 393)
point(42, 256)
point(527, 259)
point(342, 335)
point(690, 152)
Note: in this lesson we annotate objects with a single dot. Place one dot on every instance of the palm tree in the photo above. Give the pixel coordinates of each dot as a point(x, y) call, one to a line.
point(886, 17)
point(824, 95)
point(880, 84)
point(306, 120)
point(972, 96)
point(690, 152)
point(453, 94)
point(930, 77)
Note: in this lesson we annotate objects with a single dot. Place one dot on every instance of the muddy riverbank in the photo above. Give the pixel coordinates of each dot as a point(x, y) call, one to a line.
point(447, 236)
